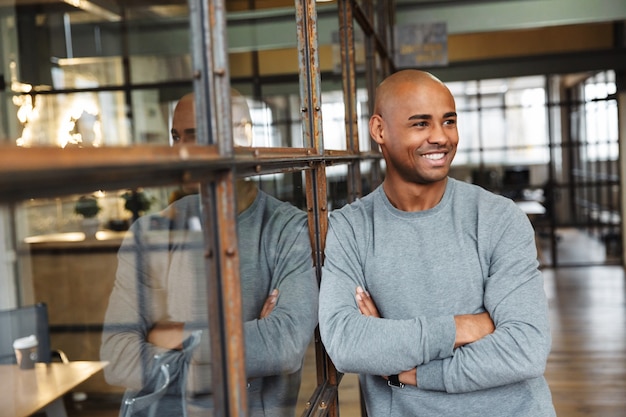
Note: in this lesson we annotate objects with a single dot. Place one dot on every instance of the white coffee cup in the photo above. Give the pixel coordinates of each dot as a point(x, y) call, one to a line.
point(26, 351)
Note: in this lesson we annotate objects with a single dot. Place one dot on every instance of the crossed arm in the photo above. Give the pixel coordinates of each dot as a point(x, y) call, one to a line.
point(169, 334)
point(469, 328)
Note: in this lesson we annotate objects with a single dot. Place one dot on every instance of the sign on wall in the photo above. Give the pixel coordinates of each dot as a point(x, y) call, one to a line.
point(421, 45)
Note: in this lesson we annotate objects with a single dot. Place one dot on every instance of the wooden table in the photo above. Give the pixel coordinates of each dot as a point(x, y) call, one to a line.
point(25, 392)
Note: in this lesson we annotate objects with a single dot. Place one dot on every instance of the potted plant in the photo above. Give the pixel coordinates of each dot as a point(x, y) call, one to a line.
point(137, 202)
point(87, 206)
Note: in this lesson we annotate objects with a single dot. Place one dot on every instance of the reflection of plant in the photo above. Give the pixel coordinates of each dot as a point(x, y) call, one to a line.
point(87, 206)
point(137, 201)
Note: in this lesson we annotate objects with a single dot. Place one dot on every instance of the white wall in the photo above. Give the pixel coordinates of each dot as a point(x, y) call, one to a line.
point(512, 14)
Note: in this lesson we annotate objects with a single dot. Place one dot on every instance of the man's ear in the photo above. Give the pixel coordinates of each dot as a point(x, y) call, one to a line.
point(376, 128)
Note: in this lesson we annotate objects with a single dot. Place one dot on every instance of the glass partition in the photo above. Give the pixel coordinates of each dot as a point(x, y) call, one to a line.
point(94, 76)
point(363, 114)
point(264, 62)
point(276, 116)
point(123, 275)
point(337, 177)
point(279, 290)
point(72, 251)
point(102, 218)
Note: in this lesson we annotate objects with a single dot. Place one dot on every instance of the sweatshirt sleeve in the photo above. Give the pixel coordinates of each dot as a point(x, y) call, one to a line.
point(134, 306)
point(515, 298)
point(368, 345)
point(277, 343)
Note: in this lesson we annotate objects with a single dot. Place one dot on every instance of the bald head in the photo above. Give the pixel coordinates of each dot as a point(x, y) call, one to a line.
point(184, 120)
point(390, 89)
point(414, 123)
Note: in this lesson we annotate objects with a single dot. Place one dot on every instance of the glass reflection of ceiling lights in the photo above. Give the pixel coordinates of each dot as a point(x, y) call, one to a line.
point(77, 123)
point(108, 13)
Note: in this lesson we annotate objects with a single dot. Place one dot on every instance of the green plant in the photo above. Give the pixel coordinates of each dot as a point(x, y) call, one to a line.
point(137, 201)
point(87, 206)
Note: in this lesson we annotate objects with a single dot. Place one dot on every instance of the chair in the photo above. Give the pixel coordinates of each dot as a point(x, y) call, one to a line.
point(168, 376)
point(22, 322)
point(130, 406)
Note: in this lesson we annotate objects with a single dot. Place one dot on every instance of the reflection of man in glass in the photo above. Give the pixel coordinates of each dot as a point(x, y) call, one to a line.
point(160, 294)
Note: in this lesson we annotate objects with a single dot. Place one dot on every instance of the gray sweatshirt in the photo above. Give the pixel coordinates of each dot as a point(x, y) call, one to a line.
point(473, 252)
point(161, 276)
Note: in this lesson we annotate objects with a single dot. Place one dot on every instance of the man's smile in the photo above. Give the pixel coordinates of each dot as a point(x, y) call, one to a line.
point(434, 156)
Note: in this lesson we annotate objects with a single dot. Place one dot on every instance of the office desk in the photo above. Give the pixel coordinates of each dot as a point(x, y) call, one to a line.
point(25, 392)
point(531, 208)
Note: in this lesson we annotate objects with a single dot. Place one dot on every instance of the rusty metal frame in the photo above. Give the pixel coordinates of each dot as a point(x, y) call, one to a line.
point(213, 126)
point(325, 401)
point(47, 172)
point(348, 76)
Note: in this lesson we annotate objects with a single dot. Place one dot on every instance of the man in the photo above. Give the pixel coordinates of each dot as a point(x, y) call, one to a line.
point(159, 297)
point(431, 289)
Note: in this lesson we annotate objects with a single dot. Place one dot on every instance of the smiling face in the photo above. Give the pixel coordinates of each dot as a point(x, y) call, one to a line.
point(415, 125)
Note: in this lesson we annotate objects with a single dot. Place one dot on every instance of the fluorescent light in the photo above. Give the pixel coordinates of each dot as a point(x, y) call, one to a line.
point(95, 9)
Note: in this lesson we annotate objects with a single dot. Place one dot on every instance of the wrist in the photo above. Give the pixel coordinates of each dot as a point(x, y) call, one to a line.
point(394, 381)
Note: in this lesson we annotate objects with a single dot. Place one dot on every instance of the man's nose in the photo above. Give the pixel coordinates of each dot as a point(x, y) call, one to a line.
point(439, 135)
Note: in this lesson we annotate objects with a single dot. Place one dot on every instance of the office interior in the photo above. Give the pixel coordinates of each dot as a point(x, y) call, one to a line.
point(87, 93)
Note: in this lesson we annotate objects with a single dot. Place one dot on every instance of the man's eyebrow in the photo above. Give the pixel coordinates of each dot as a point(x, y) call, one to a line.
point(420, 117)
point(429, 117)
point(190, 131)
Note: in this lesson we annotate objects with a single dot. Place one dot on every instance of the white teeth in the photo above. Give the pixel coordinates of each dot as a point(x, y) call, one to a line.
point(434, 156)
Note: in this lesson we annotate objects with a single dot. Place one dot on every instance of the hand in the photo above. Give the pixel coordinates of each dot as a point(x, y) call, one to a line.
point(269, 304)
point(167, 334)
point(365, 303)
point(408, 377)
point(368, 308)
point(472, 327)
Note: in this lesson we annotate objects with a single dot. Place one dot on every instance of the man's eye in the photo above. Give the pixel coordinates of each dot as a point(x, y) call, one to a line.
point(175, 138)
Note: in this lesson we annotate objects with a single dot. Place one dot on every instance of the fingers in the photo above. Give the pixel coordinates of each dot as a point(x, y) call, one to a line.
point(269, 304)
point(365, 303)
point(361, 297)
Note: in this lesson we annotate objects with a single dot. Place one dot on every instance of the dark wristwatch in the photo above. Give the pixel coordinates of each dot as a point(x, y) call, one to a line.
point(394, 381)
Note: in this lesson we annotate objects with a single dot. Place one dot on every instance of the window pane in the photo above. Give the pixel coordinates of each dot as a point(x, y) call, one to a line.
point(266, 72)
point(275, 254)
point(333, 116)
point(492, 128)
point(337, 186)
point(124, 290)
point(502, 121)
point(67, 257)
point(82, 79)
point(469, 143)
